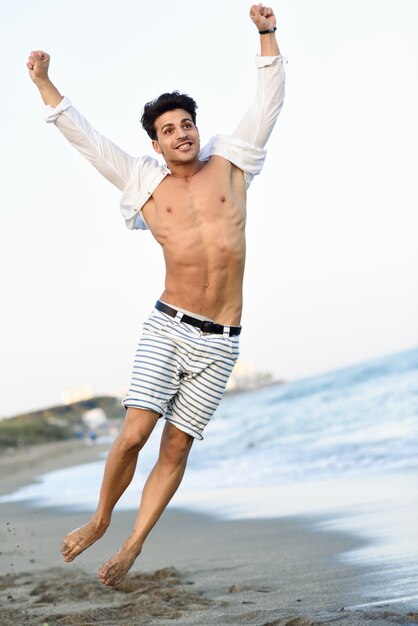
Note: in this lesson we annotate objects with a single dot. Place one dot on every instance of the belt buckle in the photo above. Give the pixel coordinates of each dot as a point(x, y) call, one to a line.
point(211, 327)
point(206, 326)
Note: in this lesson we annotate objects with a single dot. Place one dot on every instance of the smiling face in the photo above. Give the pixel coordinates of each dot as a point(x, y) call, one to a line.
point(177, 137)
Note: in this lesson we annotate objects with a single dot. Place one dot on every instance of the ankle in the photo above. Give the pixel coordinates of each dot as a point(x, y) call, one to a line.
point(133, 545)
point(100, 522)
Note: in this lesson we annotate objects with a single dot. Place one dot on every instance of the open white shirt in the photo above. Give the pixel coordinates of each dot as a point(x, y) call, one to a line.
point(138, 177)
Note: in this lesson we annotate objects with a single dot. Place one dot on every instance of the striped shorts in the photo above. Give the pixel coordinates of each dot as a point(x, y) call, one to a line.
point(180, 372)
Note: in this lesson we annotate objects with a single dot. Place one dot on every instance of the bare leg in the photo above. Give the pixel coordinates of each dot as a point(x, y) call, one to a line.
point(119, 470)
point(161, 485)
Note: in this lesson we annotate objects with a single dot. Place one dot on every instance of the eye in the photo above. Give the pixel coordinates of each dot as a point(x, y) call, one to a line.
point(188, 125)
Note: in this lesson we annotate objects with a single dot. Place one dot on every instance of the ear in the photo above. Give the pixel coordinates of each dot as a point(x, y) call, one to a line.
point(156, 146)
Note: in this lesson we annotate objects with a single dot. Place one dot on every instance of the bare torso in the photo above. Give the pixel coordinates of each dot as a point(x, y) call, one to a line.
point(200, 223)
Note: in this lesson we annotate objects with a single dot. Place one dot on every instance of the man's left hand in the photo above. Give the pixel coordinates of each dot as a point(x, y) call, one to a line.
point(263, 17)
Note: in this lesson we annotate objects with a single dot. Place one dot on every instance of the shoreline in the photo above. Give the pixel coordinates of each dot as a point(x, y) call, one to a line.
point(195, 569)
point(20, 468)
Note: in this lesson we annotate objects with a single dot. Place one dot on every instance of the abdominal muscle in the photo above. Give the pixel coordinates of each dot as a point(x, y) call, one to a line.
point(205, 276)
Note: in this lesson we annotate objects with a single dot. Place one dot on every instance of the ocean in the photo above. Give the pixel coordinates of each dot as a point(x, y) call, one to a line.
point(357, 421)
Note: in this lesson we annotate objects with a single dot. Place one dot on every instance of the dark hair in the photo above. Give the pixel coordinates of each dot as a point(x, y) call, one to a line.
point(166, 102)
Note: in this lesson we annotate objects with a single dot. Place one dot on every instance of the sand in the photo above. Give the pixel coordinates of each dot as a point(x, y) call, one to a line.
point(194, 570)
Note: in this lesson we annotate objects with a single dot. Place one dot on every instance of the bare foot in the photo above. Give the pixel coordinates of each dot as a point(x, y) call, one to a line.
point(81, 538)
point(115, 569)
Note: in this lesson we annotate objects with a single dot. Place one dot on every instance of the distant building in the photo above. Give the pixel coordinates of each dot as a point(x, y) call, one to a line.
point(94, 419)
point(76, 394)
point(245, 376)
point(119, 393)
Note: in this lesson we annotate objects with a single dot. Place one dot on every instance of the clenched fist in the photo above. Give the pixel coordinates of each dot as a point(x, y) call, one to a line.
point(263, 17)
point(37, 65)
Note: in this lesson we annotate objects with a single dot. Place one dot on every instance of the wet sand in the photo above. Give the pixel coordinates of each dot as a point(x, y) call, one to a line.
point(194, 570)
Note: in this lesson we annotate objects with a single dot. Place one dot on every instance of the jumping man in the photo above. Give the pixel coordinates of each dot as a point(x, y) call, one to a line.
point(195, 207)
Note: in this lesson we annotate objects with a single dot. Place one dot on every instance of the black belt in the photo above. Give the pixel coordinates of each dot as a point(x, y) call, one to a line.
point(204, 325)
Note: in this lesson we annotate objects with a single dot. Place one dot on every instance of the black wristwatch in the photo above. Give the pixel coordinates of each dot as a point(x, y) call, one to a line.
point(267, 32)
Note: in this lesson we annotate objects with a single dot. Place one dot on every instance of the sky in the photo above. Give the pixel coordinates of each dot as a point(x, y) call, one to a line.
point(332, 258)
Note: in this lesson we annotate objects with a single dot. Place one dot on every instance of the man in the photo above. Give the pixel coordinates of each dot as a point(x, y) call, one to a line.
point(195, 207)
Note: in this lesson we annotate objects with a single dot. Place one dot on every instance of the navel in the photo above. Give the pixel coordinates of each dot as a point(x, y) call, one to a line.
point(169, 209)
point(223, 198)
point(206, 285)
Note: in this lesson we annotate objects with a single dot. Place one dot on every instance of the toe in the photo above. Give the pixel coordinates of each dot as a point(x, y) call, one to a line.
point(104, 579)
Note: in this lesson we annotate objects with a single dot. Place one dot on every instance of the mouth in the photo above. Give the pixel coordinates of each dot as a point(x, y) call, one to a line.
point(185, 145)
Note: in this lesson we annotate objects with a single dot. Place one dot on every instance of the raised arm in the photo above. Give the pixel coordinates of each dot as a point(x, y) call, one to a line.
point(110, 160)
point(258, 122)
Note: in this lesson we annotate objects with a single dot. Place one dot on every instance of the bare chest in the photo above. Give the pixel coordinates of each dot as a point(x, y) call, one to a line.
point(210, 199)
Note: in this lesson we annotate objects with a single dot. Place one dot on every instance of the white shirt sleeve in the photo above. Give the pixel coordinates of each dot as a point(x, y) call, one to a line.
point(245, 147)
point(110, 160)
point(258, 122)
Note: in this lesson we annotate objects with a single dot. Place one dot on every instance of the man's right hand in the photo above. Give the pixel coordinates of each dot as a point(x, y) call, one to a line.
point(37, 65)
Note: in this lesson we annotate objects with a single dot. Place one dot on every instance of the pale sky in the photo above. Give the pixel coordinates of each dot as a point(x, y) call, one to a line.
point(332, 262)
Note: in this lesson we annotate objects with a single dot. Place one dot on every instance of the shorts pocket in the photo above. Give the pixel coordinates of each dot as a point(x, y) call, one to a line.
point(156, 322)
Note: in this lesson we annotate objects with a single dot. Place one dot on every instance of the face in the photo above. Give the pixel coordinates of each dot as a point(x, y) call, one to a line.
point(177, 137)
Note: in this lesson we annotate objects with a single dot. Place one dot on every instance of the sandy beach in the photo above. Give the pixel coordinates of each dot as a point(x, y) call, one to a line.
point(194, 570)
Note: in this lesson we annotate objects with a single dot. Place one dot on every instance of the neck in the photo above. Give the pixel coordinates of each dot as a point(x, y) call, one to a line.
point(185, 170)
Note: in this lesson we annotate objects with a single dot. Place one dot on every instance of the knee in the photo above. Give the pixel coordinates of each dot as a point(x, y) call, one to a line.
point(175, 445)
point(136, 430)
point(131, 442)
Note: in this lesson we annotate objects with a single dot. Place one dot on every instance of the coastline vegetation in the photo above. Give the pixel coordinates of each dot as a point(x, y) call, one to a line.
point(54, 423)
